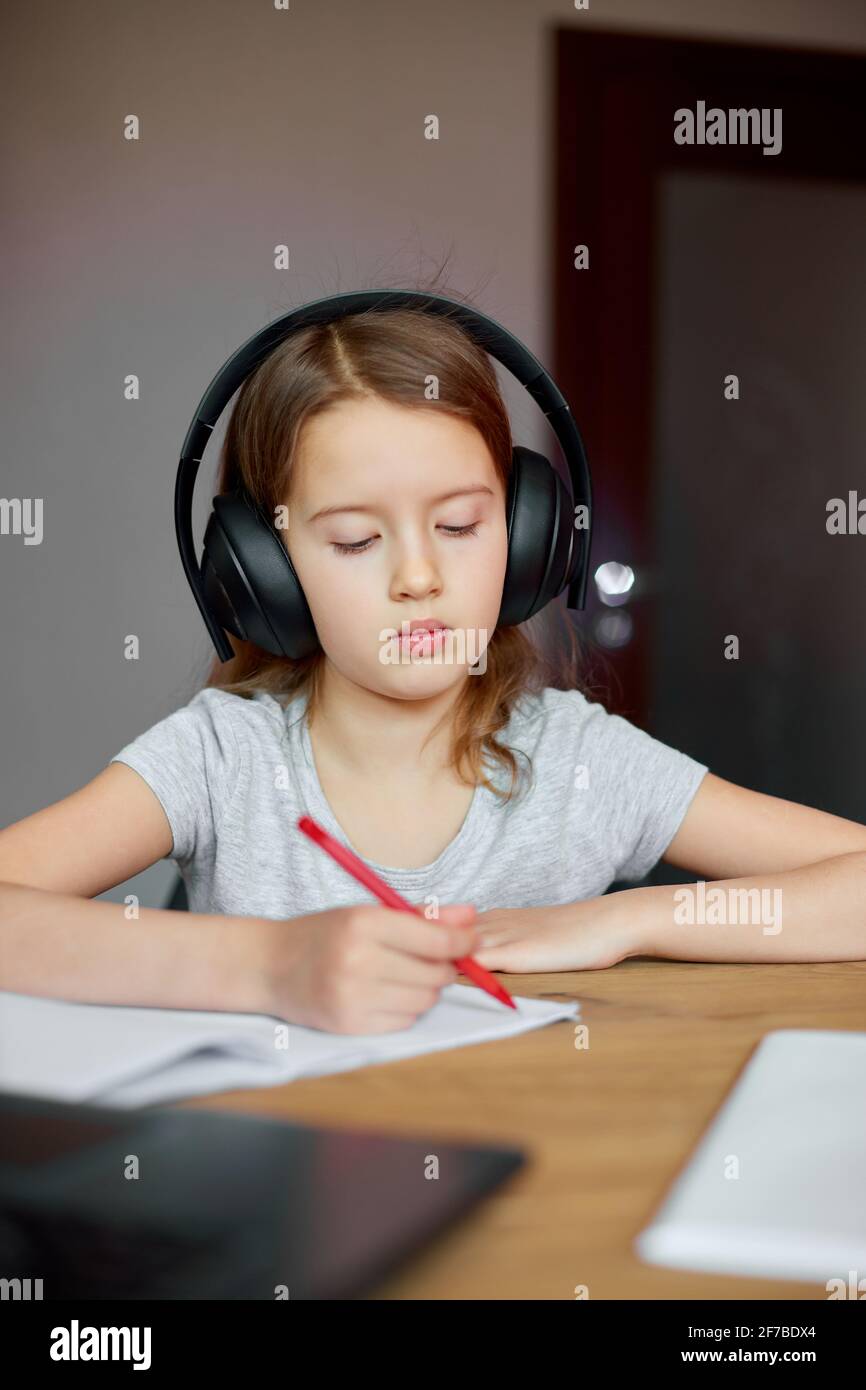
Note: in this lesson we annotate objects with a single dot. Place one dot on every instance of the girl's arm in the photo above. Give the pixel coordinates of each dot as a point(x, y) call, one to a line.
point(787, 883)
point(810, 864)
point(815, 912)
point(55, 942)
point(730, 830)
point(64, 947)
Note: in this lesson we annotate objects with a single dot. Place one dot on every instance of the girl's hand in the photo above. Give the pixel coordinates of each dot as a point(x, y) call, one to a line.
point(577, 936)
point(364, 969)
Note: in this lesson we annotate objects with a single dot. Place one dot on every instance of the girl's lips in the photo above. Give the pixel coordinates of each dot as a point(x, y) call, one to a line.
point(423, 639)
point(421, 632)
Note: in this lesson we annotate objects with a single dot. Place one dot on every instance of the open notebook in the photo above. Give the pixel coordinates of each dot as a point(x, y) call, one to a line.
point(777, 1185)
point(126, 1057)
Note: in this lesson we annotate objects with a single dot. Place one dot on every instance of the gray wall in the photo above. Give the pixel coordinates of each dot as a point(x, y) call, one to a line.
point(155, 257)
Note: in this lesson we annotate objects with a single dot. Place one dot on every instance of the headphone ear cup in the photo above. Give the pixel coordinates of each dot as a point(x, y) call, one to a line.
point(540, 537)
point(217, 599)
point(248, 571)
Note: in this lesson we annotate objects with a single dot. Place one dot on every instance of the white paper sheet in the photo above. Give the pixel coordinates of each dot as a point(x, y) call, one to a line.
point(124, 1057)
point(777, 1185)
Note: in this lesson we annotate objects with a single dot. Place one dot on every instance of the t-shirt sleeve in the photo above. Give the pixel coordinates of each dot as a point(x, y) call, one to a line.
point(190, 761)
point(642, 789)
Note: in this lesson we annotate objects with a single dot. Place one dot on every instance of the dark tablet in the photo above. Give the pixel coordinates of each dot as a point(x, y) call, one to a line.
point(158, 1203)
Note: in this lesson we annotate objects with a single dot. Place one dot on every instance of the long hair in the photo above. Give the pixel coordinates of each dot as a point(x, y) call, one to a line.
point(386, 353)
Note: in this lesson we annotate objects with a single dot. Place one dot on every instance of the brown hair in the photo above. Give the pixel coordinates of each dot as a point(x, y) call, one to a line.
point(386, 353)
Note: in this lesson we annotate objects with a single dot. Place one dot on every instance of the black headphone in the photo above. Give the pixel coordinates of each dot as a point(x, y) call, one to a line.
point(246, 583)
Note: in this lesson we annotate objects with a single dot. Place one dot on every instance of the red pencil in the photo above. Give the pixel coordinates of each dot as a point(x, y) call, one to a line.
point(358, 869)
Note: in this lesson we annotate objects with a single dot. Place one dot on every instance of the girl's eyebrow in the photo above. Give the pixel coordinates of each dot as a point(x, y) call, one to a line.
point(359, 507)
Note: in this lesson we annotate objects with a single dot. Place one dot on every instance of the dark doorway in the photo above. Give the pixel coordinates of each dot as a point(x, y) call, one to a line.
point(707, 260)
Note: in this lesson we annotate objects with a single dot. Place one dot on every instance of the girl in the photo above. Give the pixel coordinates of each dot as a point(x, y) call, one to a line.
point(461, 766)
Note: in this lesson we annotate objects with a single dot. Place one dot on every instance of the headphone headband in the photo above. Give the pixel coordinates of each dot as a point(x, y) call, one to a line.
point(489, 335)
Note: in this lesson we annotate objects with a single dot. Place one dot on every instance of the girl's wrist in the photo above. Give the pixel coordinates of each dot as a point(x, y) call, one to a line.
point(243, 978)
point(626, 922)
point(270, 967)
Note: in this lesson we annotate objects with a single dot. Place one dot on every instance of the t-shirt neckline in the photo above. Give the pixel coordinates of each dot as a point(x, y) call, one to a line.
point(326, 817)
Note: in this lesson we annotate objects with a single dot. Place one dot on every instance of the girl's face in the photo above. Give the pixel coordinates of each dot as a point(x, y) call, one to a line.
point(382, 474)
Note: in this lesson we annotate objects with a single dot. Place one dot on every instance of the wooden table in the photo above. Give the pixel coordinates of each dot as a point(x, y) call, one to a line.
point(606, 1129)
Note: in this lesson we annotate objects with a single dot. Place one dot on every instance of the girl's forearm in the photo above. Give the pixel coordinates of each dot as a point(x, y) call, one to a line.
point(816, 912)
point(65, 947)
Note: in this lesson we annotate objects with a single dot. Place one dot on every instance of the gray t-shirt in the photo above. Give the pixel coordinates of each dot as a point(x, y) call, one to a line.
point(234, 774)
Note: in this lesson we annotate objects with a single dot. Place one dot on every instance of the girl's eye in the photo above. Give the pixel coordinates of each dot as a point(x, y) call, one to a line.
point(357, 547)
